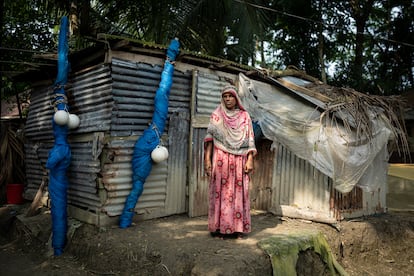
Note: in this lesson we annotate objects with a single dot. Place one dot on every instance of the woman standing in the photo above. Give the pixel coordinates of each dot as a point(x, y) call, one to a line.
point(228, 159)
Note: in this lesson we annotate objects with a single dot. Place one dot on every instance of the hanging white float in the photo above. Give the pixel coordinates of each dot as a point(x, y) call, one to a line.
point(73, 121)
point(159, 154)
point(61, 117)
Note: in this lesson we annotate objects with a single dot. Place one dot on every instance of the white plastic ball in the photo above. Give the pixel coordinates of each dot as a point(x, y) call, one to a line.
point(74, 121)
point(165, 152)
point(61, 117)
point(159, 154)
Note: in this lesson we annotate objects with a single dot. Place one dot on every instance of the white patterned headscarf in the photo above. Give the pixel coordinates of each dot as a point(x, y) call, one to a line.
point(231, 130)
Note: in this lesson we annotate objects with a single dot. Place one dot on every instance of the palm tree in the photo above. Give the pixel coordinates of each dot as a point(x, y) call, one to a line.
point(222, 28)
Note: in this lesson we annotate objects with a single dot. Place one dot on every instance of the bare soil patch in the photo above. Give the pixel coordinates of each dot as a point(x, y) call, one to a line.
point(178, 245)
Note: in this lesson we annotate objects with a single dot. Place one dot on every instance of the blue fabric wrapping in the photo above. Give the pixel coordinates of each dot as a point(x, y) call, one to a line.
point(63, 49)
point(59, 156)
point(57, 163)
point(141, 159)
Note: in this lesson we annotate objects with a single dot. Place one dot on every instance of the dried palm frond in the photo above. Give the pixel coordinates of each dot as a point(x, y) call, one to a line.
point(351, 109)
point(356, 111)
point(12, 156)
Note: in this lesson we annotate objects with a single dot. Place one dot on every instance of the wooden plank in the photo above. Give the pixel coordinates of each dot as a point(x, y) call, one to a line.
point(298, 88)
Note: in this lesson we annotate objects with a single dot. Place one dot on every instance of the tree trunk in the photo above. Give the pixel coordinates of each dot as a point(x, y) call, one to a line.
point(321, 46)
point(360, 11)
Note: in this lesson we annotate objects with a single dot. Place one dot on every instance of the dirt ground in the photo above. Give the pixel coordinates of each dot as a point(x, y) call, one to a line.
point(178, 245)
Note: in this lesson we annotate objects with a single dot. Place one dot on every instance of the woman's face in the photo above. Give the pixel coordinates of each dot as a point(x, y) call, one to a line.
point(229, 100)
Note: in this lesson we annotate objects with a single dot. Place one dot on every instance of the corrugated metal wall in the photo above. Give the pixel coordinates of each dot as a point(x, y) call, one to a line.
point(89, 96)
point(261, 188)
point(38, 132)
point(39, 120)
point(298, 188)
point(115, 104)
point(134, 88)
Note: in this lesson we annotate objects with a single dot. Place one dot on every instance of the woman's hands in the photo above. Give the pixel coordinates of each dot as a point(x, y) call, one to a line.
point(249, 167)
point(208, 150)
point(207, 167)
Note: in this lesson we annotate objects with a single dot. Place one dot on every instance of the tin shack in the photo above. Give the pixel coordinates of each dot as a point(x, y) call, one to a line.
point(111, 88)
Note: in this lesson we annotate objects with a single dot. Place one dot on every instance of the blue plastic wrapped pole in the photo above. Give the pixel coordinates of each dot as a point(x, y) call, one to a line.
point(150, 139)
point(59, 156)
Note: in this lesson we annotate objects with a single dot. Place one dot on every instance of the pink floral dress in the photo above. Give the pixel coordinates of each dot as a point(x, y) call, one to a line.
point(229, 203)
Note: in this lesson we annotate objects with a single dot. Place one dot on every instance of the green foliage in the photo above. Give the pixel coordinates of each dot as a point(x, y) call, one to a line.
point(369, 43)
point(25, 32)
point(388, 43)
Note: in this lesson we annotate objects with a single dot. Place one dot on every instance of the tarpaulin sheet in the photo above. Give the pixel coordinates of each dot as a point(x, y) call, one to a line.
point(343, 155)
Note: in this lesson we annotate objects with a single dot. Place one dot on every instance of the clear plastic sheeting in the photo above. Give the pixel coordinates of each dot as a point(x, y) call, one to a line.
point(347, 157)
